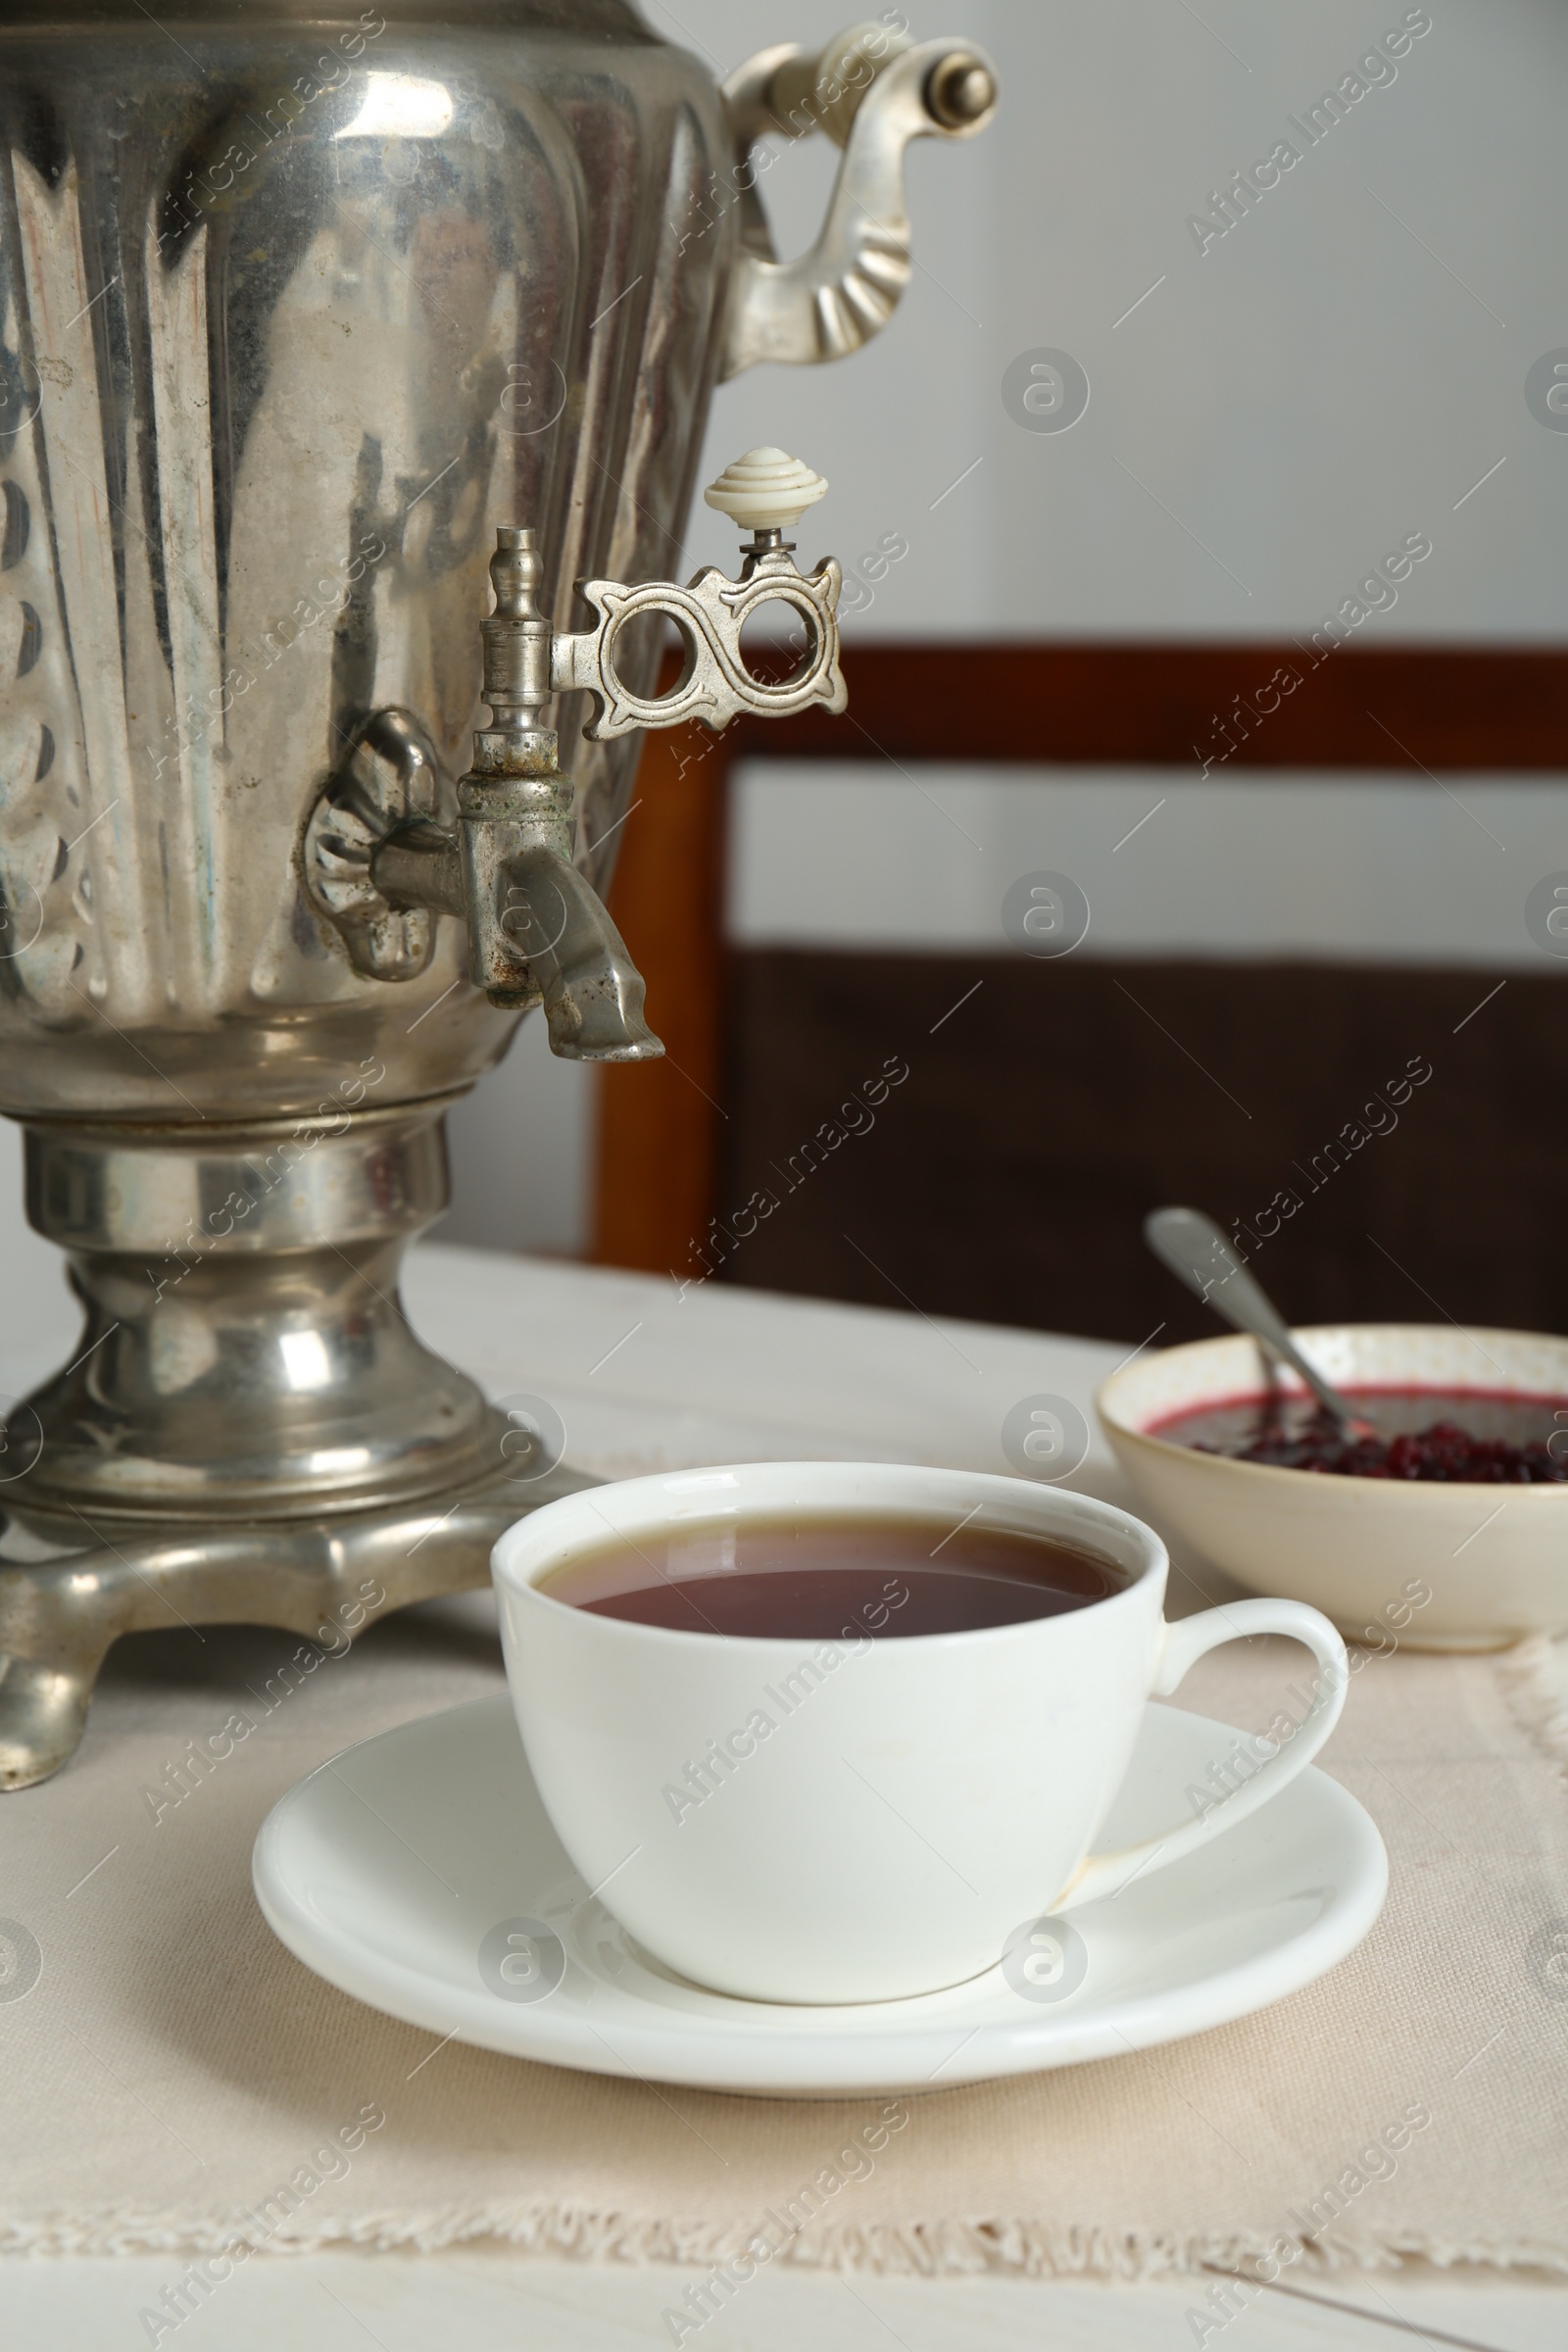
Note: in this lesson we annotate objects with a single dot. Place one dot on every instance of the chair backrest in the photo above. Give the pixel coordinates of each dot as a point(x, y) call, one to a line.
point(1202, 709)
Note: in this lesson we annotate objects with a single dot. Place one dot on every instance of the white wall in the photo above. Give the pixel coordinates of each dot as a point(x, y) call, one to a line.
point(1317, 383)
point(1369, 869)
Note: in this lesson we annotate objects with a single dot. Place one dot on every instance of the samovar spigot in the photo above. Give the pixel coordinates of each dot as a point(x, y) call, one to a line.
point(382, 867)
point(538, 931)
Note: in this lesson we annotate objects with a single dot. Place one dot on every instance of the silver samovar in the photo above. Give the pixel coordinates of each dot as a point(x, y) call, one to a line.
point(320, 333)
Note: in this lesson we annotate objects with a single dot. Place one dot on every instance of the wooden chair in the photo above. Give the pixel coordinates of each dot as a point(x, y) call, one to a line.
point(664, 1129)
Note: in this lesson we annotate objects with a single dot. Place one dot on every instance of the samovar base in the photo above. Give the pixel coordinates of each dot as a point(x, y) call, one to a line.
point(325, 1579)
point(245, 1354)
point(248, 1431)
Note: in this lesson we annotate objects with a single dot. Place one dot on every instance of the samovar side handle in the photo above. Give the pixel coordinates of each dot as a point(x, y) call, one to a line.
point(871, 90)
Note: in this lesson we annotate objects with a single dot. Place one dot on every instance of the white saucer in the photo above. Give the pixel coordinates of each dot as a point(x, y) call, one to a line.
point(398, 1872)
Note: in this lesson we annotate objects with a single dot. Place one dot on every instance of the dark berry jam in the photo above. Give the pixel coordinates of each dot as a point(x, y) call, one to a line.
point(1466, 1437)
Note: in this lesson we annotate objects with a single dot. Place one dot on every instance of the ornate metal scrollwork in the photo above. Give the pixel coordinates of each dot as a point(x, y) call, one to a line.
point(715, 684)
point(768, 492)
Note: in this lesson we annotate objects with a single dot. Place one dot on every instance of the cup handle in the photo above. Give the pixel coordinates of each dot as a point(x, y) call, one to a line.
point(1185, 1644)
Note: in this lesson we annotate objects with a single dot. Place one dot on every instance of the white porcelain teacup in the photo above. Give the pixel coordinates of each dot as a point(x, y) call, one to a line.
point(915, 1800)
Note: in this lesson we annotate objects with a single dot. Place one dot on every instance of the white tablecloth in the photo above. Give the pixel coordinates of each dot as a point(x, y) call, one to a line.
point(643, 1374)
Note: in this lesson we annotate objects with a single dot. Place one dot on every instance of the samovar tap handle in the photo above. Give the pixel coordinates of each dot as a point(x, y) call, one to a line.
point(767, 492)
point(871, 91)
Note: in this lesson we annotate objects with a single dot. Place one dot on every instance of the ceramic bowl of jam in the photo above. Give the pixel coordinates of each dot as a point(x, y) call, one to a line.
point(1447, 1529)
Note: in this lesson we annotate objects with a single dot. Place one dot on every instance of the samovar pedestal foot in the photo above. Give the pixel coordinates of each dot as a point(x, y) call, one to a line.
point(249, 1432)
point(325, 1579)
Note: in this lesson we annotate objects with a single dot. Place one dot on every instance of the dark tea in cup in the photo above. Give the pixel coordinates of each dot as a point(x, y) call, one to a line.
point(777, 1578)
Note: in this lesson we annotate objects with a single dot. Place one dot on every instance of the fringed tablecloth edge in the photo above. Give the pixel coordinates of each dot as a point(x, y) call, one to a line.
point(949, 2249)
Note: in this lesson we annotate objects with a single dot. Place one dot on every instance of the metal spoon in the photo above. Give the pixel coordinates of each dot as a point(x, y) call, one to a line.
point(1194, 1247)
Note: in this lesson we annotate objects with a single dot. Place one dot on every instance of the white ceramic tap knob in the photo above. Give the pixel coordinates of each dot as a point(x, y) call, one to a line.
point(766, 490)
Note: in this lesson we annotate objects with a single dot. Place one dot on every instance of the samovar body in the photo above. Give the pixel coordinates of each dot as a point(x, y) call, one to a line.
point(298, 309)
point(293, 316)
